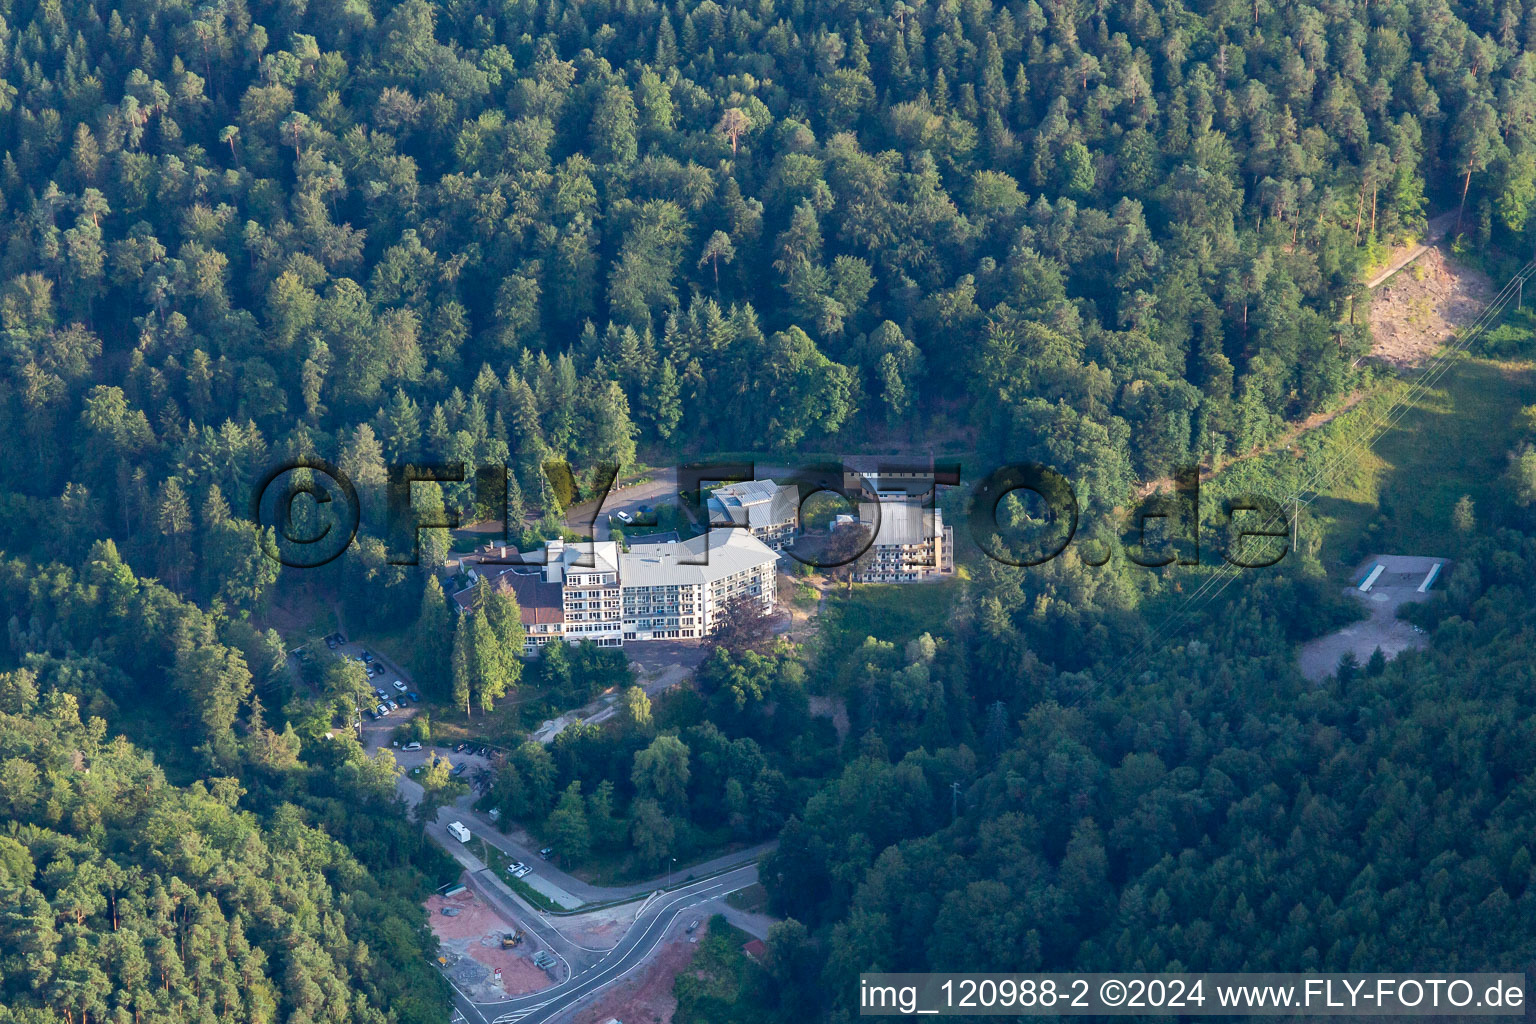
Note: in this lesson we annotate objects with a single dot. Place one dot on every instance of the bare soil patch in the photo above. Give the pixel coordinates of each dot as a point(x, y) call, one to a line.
point(598, 929)
point(471, 943)
point(1420, 308)
point(645, 997)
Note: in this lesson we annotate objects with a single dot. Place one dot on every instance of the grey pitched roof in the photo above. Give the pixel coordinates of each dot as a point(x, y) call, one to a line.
point(724, 553)
point(753, 503)
point(903, 522)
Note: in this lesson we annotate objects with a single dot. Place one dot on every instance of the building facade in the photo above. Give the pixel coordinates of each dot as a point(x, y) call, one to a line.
point(681, 591)
point(671, 591)
point(769, 512)
point(911, 543)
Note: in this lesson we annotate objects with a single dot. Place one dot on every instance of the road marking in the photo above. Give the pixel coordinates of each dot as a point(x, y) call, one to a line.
point(517, 1015)
point(644, 959)
point(458, 1012)
point(574, 979)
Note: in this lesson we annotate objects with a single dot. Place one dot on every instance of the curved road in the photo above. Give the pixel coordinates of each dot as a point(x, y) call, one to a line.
point(603, 969)
point(587, 971)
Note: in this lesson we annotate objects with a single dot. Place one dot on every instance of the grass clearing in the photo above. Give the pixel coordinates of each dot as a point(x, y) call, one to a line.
point(753, 899)
point(1395, 491)
point(894, 612)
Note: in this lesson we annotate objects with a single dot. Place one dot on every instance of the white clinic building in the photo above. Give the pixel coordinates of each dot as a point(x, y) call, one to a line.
point(676, 590)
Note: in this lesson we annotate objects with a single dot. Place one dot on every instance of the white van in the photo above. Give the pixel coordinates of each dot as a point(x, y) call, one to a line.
point(458, 831)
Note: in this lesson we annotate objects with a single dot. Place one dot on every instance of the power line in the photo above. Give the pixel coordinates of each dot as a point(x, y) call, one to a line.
point(1222, 576)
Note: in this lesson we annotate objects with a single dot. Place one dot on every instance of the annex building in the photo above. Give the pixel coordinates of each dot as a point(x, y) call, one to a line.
point(766, 510)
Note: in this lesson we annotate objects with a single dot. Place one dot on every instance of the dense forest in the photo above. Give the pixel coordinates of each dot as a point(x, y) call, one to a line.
point(1220, 814)
point(274, 877)
point(1117, 240)
point(1113, 238)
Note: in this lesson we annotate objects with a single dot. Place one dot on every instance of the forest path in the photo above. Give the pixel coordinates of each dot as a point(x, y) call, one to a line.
point(1438, 226)
point(1465, 292)
point(1284, 440)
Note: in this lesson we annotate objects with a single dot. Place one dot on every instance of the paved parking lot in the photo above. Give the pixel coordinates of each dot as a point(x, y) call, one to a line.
point(385, 681)
point(375, 732)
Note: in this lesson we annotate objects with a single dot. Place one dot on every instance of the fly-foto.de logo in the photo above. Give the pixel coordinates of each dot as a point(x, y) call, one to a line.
point(1019, 514)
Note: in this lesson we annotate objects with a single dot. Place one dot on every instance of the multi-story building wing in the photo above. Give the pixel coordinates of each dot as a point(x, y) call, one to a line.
point(911, 543)
point(875, 478)
point(769, 512)
point(681, 590)
point(668, 591)
point(590, 576)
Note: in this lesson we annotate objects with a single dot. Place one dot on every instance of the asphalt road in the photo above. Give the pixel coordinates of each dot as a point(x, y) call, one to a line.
point(606, 968)
point(660, 489)
point(463, 810)
point(584, 972)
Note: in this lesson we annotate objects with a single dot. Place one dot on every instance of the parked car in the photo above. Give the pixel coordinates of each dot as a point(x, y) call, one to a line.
point(375, 670)
point(624, 517)
point(367, 657)
point(413, 745)
point(458, 831)
point(547, 852)
point(399, 685)
point(459, 749)
point(524, 870)
point(382, 710)
point(392, 705)
point(372, 714)
point(379, 692)
point(415, 697)
point(514, 867)
point(332, 644)
point(459, 770)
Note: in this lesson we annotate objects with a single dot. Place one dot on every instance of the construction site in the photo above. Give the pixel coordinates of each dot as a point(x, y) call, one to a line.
point(485, 956)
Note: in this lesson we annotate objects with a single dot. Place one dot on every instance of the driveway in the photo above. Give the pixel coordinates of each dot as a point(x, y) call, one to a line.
point(660, 489)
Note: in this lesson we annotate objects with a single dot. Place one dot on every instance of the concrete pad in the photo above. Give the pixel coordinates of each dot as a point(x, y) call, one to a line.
point(553, 891)
point(1396, 586)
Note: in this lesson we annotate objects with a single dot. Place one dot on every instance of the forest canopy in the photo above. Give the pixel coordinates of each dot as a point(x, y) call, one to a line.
point(1118, 239)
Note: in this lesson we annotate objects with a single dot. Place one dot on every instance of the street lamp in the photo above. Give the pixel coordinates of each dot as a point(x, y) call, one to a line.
point(670, 866)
